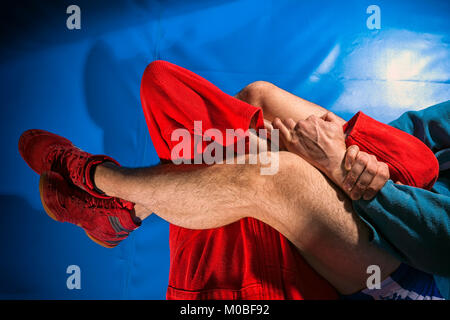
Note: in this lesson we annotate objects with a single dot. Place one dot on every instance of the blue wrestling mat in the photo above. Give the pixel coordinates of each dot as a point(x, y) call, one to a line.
point(84, 84)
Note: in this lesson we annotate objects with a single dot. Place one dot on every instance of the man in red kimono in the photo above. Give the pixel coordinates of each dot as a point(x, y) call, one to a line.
point(259, 229)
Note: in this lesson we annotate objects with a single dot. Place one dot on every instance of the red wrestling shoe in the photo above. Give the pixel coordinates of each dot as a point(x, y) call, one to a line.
point(105, 221)
point(44, 151)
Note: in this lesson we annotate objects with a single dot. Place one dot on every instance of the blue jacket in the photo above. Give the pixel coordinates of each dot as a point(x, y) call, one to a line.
point(414, 224)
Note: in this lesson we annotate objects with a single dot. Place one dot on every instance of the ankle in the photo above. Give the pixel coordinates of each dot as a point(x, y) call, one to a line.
point(141, 212)
point(102, 176)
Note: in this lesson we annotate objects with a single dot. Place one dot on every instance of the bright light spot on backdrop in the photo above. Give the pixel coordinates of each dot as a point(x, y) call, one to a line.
point(406, 65)
point(394, 71)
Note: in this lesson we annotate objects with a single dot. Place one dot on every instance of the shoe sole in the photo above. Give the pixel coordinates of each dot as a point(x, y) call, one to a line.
point(49, 212)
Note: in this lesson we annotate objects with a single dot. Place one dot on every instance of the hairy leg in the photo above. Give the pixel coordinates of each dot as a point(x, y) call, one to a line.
point(298, 201)
point(191, 196)
point(319, 249)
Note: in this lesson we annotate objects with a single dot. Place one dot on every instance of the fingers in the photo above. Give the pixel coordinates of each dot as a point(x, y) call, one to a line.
point(366, 177)
point(357, 169)
point(378, 181)
point(290, 123)
point(284, 131)
point(350, 156)
point(268, 126)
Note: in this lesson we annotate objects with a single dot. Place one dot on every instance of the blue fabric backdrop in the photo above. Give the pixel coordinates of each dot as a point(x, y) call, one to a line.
point(84, 84)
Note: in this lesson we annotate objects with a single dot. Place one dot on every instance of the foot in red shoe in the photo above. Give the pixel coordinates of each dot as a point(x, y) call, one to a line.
point(106, 221)
point(45, 151)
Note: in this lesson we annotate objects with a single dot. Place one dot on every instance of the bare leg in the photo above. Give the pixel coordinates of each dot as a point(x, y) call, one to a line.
point(276, 102)
point(190, 196)
point(298, 201)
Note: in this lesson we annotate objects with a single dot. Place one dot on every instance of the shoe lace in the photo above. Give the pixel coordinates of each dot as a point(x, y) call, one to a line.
point(54, 158)
point(68, 162)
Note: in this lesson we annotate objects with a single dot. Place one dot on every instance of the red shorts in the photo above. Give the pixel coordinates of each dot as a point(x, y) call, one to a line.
point(244, 260)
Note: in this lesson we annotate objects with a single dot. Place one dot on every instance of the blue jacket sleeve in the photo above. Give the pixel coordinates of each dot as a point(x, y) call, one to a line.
point(411, 223)
point(431, 125)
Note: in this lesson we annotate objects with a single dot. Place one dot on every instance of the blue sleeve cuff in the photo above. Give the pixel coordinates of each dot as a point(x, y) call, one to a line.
point(366, 210)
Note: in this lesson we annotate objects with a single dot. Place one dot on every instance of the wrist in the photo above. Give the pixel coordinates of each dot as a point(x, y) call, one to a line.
point(336, 170)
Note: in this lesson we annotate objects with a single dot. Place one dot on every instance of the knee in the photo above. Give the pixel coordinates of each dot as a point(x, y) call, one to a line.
point(156, 73)
point(255, 92)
